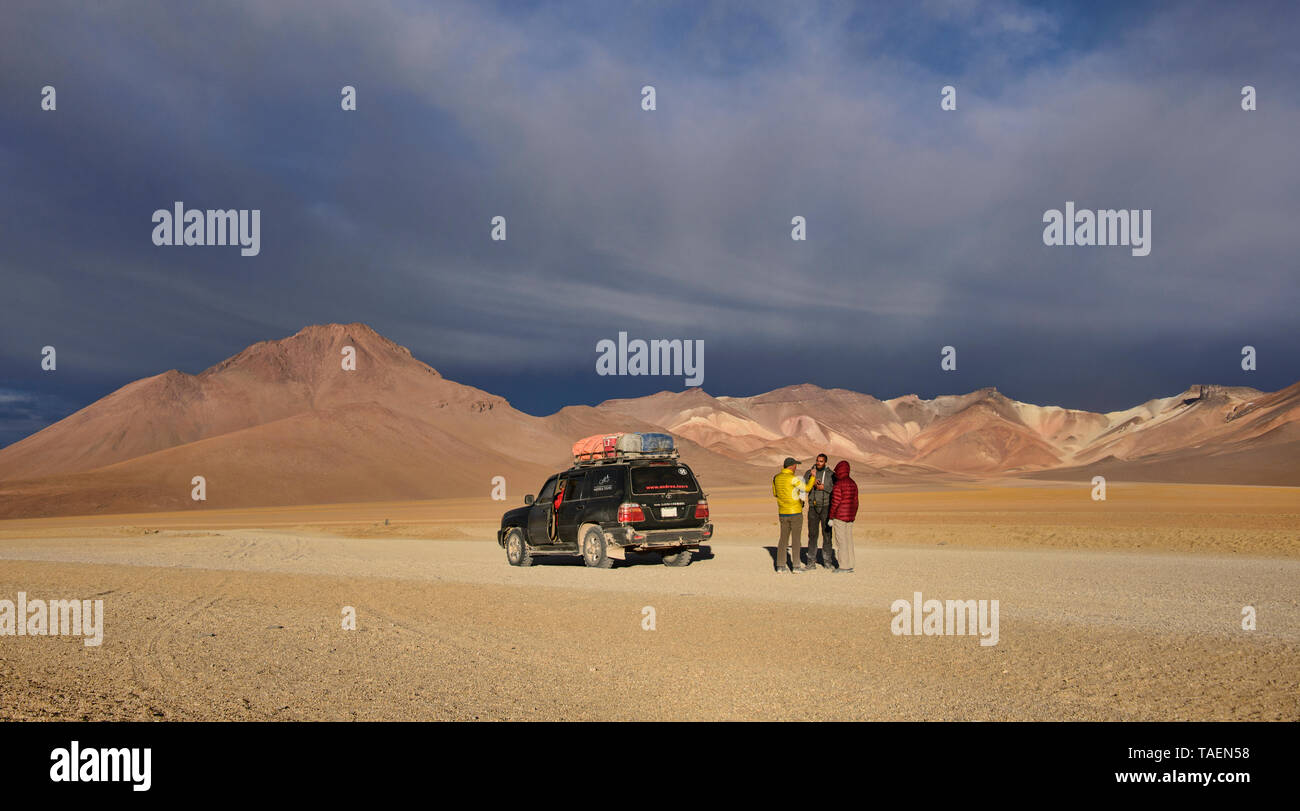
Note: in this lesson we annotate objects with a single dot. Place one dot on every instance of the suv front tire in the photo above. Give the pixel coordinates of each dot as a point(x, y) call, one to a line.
point(516, 550)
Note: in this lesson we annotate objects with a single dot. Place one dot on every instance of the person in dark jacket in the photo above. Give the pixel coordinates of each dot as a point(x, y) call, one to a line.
point(843, 511)
point(819, 481)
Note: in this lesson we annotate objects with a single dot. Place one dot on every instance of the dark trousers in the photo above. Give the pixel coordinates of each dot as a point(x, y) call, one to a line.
point(819, 523)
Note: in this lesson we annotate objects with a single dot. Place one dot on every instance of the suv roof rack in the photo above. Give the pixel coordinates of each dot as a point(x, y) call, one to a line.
point(626, 456)
point(623, 447)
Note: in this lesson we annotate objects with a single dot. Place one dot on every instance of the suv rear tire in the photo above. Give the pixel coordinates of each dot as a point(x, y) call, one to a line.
point(516, 550)
point(594, 553)
point(682, 558)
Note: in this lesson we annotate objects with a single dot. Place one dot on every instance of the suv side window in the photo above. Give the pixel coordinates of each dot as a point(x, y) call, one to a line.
point(604, 482)
point(573, 488)
point(548, 490)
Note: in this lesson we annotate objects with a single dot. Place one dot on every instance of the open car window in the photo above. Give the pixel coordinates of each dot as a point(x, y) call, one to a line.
point(548, 490)
point(573, 488)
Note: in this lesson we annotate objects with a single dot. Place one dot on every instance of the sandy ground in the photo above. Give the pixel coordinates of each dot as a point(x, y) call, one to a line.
point(1118, 610)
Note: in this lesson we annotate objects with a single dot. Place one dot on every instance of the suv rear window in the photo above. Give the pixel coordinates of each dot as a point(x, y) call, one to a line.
point(663, 479)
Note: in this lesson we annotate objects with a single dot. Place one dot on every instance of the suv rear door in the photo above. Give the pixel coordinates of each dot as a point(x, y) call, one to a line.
point(667, 492)
point(604, 489)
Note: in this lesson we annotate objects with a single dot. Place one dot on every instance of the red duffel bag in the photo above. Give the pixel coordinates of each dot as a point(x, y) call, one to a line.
point(599, 446)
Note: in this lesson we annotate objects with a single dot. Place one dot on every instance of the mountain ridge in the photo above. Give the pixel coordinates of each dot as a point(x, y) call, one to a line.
point(303, 427)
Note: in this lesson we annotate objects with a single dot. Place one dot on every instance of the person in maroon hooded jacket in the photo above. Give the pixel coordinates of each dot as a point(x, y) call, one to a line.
point(844, 509)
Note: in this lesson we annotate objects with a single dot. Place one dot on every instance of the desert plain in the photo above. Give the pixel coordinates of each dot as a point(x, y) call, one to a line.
point(1125, 609)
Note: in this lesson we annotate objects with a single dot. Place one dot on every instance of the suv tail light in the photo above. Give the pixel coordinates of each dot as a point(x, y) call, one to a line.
point(630, 513)
point(702, 509)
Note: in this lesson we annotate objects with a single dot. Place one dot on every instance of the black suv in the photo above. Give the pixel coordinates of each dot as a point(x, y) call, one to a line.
point(605, 508)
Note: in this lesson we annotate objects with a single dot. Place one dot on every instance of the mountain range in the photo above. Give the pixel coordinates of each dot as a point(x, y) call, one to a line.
point(283, 423)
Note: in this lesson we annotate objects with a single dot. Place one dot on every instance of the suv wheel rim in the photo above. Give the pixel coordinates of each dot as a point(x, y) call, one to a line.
point(514, 547)
point(589, 548)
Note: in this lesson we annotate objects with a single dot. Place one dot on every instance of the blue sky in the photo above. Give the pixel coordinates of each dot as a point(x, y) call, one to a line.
point(924, 226)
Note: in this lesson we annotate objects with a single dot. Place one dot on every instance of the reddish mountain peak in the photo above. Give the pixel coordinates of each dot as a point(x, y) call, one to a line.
point(301, 354)
point(796, 393)
point(991, 405)
point(986, 393)
point(1216, 391)
point(689, 395)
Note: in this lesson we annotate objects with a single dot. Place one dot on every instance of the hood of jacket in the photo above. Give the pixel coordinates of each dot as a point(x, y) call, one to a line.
point(842, 469)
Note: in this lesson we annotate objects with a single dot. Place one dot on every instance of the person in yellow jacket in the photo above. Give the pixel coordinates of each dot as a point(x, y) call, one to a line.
point(790, 492)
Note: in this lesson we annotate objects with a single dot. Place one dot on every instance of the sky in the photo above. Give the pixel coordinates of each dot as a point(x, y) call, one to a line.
point(924, 226)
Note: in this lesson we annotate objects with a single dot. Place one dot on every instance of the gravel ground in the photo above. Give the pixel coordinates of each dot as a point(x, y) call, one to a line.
point(246, 624)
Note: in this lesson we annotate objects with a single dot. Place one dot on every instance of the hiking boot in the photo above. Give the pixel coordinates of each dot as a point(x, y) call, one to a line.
point(780, 569)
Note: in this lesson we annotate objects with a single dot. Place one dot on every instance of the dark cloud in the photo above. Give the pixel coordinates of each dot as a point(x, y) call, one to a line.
point(924, 226)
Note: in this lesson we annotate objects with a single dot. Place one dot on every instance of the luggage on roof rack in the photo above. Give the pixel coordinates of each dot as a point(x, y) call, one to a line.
point(599, 446)
point(646, 444)
point(623, 446)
